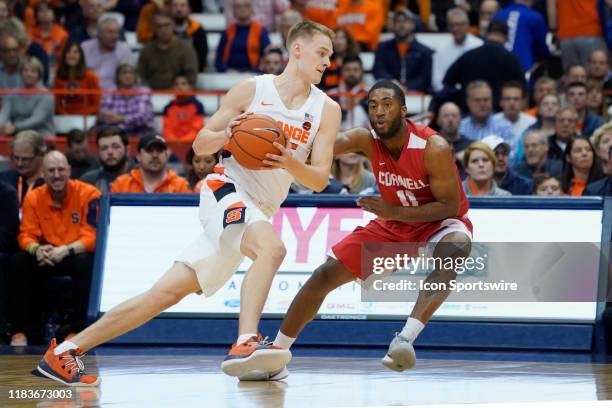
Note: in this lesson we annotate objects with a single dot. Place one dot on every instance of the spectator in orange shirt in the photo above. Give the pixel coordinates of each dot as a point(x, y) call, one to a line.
point(321, 11)
point(57, 237)
point(153, 176)
point(578, 28)
point(74, 74)
point(145, 30)
point(198, 167)
point(184, 116)
point(46, 32)
point(364, 19)
point(580, 166)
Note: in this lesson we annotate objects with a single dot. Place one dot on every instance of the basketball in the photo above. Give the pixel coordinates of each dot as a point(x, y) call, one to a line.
point(253, 138)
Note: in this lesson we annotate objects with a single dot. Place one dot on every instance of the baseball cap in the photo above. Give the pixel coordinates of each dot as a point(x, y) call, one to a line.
point(150, 140)
point(494, 141)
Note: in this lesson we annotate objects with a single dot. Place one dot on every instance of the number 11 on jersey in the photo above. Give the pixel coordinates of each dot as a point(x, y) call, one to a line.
point(407, 198)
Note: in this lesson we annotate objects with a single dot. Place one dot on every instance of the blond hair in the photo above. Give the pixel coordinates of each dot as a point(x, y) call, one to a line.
point(599, 132)
point(478, 146)
point(307, 29)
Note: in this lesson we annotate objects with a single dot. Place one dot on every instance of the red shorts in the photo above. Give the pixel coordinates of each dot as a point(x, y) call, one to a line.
point(348, 251)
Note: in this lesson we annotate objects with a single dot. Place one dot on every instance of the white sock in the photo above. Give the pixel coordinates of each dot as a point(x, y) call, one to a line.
point(412, 329)
point(244, 337)
point(65, 346)
point(283, 341)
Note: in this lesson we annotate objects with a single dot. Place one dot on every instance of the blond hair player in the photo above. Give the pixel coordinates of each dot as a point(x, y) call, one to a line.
point(235, 207)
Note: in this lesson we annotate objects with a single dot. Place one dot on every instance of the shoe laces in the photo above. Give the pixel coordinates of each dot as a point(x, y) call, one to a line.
point(73, 362)
point(264, 341)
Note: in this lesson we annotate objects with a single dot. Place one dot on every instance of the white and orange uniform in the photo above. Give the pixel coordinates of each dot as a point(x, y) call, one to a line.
point(234, 197)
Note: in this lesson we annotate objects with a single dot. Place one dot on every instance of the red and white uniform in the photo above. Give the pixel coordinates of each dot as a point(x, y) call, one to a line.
point(402, 182)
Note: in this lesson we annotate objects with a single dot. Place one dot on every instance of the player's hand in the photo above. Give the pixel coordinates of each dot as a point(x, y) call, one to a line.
point(283, 160)
point(378, 206)
point(234, 122)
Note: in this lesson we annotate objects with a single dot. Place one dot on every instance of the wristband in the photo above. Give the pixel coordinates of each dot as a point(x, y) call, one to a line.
point(32, 248)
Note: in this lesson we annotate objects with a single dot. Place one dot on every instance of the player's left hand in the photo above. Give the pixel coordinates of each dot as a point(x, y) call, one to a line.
point(284, 160)
point(378, 206)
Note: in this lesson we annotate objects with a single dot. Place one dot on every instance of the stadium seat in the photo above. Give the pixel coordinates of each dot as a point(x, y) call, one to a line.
point(65, 123)
point(210, 22)
point(220, 81)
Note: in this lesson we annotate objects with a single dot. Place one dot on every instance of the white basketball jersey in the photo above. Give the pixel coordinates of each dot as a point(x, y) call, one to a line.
point(269, 188)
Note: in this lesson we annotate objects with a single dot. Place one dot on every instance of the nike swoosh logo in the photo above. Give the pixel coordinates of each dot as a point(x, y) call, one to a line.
point(276, 132)
point(266, 104)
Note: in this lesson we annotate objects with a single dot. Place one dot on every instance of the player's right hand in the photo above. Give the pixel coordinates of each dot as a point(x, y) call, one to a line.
point(234, 122)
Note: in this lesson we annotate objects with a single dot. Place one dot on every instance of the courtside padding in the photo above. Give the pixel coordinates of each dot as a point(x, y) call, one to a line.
point(181, 330)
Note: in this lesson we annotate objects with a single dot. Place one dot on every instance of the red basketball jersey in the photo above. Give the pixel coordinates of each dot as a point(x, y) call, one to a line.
point(405, 182)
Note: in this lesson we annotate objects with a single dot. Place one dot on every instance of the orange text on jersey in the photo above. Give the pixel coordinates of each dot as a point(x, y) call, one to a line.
point(294, 133)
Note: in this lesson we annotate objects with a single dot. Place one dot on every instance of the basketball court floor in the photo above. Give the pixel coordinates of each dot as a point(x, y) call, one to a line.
point(186, 377)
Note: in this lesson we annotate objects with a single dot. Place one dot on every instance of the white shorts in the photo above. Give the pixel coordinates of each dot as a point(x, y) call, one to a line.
point(224, 214)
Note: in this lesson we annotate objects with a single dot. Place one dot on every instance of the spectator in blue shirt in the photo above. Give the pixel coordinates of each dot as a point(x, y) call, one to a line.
point(504, 176)
point(480, 122)
point(526, 34)
point(243, 43)
point(404, 58)
point(588, 122)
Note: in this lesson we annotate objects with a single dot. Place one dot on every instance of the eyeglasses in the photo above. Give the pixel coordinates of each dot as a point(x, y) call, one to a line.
point(7, 50)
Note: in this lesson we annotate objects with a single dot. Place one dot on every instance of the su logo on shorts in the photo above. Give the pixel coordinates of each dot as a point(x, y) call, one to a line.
point(234, 214)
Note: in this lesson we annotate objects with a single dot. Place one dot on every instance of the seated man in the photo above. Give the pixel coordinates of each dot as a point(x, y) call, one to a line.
point(57, 237)
point(153, 175)
point(537, 158)
point(601, 187)
point(350, 94)
point(27, 151)
point(113, 152)
point(79, 158)
point(504, 176)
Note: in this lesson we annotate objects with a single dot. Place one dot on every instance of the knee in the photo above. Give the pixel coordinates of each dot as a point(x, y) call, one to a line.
point(278, 252)
point(454, 245)
point(275, 251)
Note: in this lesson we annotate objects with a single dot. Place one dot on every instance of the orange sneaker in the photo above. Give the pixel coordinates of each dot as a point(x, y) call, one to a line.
point(255, 354)
point(66, 368)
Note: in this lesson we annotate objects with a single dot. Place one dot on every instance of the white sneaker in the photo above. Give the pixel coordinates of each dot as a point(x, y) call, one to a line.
point(258, 375)
point(401, 355)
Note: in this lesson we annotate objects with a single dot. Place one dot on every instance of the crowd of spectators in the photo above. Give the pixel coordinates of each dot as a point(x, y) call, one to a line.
point(520, 89)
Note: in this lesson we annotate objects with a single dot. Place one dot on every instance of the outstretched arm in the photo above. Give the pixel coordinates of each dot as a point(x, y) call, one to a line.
point(444, 184)
point(358, 140)
point(218, 129)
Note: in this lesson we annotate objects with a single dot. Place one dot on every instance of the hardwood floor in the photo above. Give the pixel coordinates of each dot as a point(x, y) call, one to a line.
point(179, 381)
